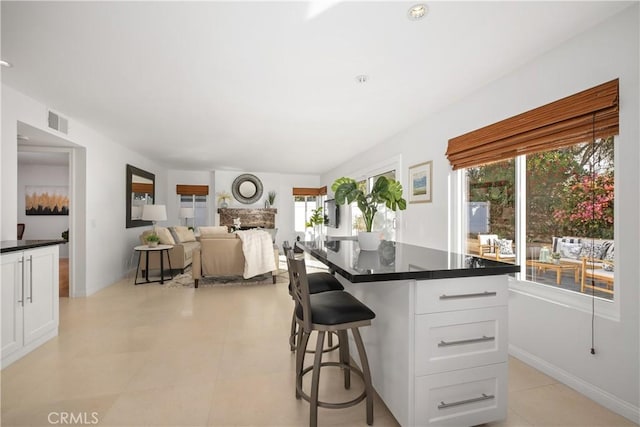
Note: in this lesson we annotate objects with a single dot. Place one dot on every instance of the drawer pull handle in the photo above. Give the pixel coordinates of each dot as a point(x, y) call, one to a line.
point(479, 294)
point(443, 405)
point(469, 341)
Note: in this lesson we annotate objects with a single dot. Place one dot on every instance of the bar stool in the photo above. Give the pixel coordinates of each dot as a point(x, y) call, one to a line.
point(318, 282)
point(324, 312)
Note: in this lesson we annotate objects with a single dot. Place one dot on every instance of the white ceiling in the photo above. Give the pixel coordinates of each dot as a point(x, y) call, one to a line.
point(269, 86)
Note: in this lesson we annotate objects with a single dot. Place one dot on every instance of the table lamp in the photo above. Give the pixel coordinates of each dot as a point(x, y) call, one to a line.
point(186, 213)
point(154, 213)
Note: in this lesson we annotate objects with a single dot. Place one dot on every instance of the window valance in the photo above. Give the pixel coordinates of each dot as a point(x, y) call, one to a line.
point(305, 191)
point(571, 120)
point(188, 190)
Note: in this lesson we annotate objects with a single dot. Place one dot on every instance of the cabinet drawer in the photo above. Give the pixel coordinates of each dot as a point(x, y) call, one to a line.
point(460, 339)
point(462, 398)
point(434, 296)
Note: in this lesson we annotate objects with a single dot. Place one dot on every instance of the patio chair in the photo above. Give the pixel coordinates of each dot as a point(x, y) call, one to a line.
point(490, 246)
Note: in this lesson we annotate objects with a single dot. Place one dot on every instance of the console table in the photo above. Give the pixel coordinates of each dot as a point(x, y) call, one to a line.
point(438, 345)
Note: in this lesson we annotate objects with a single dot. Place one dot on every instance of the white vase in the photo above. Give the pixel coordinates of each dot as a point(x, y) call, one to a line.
point(369, 240)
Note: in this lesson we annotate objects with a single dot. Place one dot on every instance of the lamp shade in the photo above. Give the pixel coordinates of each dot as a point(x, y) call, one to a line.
point(186, 213)
point(154, 213)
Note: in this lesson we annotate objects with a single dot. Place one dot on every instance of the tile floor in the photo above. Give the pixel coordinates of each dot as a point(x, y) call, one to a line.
point(152, 355)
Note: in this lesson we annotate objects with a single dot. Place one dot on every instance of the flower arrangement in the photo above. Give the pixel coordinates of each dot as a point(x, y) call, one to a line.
point(223, 197)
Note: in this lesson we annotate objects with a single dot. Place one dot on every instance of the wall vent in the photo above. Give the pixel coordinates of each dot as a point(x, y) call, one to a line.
point(57, 122)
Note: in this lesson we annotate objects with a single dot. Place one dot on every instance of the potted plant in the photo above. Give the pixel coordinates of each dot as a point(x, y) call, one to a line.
point(223, 198)
point(555, 257)
point(271, 197)
point(152, 240)
point(316, 220)
point(385, 191)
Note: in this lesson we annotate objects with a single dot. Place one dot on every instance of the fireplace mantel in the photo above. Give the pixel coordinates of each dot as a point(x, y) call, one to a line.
point(249, 218)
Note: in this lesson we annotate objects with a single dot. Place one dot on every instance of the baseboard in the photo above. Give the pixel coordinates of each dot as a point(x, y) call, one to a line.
point(593, 392)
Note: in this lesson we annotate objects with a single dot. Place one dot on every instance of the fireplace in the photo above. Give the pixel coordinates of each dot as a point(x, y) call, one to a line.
point(249, 218)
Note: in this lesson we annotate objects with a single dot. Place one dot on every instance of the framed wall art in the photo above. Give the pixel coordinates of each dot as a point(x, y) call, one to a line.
point(46, 200)
point(420, 185)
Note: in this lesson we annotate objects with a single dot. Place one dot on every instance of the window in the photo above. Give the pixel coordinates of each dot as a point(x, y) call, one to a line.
point(539, 191)
point(304, 206)
point(491, 213)
point(195, 197)
point(199, 206)
point(567, 194)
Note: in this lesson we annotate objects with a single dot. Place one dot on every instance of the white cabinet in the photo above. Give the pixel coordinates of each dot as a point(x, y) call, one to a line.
point(29, 300)
point(438, 349)
point(461, 351)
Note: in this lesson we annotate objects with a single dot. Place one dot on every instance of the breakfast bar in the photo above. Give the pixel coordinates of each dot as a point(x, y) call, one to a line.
point(438, 345)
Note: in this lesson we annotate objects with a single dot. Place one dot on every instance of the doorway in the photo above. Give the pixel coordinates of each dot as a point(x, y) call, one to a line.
point(48, 164)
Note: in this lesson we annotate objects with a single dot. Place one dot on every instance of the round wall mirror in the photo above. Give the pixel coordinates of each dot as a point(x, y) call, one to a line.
point(247, 188)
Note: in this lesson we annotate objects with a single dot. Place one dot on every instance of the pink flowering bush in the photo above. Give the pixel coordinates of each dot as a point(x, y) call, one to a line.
point(587, 206)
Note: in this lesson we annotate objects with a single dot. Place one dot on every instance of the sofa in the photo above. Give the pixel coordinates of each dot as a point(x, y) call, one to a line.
point(183, 241)
point(221, 255)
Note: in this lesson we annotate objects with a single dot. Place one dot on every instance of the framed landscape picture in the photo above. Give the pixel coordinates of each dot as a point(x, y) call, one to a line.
point(420, 185)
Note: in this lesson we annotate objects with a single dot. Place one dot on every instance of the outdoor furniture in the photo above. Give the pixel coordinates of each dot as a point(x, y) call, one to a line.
point(489, 246)
point(558, 268)
point(596, 272)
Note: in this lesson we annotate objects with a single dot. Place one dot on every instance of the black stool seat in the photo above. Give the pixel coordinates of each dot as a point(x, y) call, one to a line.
point(336, 307)
point(322, 282)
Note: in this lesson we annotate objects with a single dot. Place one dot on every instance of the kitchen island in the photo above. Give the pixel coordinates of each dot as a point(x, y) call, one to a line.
point(438, 345)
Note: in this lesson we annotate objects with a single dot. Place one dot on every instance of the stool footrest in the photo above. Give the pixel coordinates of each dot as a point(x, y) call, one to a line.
point(334, 405)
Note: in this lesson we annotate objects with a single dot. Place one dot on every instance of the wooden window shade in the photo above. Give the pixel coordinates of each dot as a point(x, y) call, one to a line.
point(571, 120)
point(301, 191)
point(196, 190)
point(142, 188)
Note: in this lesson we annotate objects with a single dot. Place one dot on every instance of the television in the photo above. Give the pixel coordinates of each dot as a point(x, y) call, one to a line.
point(331, 213)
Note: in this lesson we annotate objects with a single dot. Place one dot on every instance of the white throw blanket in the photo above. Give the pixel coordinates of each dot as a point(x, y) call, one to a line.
point(258, 252)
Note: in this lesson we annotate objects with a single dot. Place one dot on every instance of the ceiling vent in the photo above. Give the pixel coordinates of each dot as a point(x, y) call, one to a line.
point(57, 122)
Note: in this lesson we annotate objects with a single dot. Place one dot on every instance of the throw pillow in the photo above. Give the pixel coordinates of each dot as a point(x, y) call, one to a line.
point(505, 246)
point(570, 250)
point(165, 236)
point(607, 266)
point(593, 250)
point(609, 255)
point(174, 234)
point(184, 234)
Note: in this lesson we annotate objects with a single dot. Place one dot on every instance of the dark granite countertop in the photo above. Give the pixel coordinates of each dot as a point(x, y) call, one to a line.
point(20, 245)
point(400, 261)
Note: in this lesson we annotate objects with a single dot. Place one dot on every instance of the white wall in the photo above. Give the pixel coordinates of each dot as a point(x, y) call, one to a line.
point(103, 243)
point(553, 337)
point(282, 184)
point(42, 226)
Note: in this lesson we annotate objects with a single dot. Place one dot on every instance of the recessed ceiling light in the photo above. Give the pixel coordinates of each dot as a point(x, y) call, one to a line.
point(362, 78)
point(5, 63)
point(417, 12)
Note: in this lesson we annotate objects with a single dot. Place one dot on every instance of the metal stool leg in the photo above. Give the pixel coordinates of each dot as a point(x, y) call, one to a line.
point(364, 361)
point(315, 380)
point(344, 357)
point(303, 340)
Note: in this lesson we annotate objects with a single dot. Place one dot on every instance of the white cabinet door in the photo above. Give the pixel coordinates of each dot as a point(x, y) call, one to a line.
point(11, 302)
point(41, 292)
